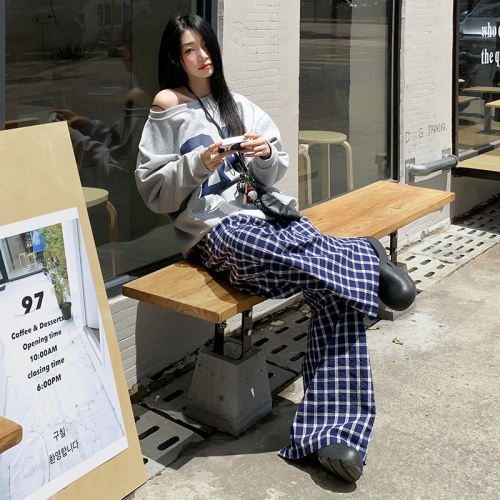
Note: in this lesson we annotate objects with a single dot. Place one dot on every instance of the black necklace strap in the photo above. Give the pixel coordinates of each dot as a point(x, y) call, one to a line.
point(239, 157)
point(210, 118)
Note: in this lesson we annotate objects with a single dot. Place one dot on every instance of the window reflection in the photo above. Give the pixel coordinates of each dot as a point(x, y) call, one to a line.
point(20, 256)
point(479, 76)
point(94, 64)
point(343, 96)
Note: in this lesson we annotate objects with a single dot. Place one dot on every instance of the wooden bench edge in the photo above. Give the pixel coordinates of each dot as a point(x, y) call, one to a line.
point(418, 215)
point(200, 312)
point(11, 434)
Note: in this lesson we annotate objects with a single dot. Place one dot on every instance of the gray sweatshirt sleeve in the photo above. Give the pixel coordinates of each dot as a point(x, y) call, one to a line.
point(269, 171)
point(166, 180)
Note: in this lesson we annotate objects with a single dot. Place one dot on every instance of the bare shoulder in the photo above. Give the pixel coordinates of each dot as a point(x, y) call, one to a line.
point(169, 98)
point(165, 99)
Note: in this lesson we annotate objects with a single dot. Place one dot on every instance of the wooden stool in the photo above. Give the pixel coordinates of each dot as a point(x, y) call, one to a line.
point(304, 151)
point(325, 138)
point(96, 196)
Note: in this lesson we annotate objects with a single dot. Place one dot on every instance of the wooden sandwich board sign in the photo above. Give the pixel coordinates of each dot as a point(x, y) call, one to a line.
point(61, 374)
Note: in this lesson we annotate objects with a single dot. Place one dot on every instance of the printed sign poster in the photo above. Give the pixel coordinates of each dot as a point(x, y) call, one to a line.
point(56, 378)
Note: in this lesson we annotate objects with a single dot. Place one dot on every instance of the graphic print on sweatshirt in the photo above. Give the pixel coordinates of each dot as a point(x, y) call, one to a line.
point(218, 179)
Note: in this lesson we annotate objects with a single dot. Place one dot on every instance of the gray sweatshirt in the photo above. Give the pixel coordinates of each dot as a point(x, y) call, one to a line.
point(173, 180)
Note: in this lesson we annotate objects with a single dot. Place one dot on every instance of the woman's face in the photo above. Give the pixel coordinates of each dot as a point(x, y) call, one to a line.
point(195, 58)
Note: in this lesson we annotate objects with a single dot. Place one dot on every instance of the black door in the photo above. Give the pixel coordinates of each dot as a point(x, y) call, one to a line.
point(3, 273)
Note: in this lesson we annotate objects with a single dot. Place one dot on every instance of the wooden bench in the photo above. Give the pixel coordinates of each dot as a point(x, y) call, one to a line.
point(483, 166)
point(10, 434)
point(378, 210)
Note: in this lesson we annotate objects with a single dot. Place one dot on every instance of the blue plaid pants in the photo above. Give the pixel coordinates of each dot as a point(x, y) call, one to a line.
point(339, 281)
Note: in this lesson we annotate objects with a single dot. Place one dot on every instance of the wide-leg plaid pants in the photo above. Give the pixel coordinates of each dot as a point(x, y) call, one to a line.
point(339, 280)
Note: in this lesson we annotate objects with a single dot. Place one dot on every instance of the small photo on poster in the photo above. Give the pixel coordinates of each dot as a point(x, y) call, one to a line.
point(56, 378)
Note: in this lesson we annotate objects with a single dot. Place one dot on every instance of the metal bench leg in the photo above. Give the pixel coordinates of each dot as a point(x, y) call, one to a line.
point(219, 338)
point(246, 334)
point(393, 247)
point(246, 331)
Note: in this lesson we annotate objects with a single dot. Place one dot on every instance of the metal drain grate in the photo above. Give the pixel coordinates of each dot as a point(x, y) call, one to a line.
point(479, 226)
point(161, 440)
point(426, 271)
point(437, 256)
point(284, 340)
point(452, 247)
point(171, 400)
point(492, 211)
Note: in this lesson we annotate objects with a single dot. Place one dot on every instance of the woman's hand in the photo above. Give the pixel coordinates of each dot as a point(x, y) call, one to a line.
point(256, 146)
point(74, 121)
point(211, 157)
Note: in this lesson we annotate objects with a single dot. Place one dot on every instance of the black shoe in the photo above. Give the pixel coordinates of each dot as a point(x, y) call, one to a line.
point(396, 289)
point(342, 461)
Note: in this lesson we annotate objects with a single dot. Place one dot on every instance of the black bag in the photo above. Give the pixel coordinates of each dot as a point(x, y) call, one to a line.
point(266, 201)
point(274, 208)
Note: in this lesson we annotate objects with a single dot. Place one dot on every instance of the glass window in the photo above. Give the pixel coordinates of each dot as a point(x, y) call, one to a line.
point(344, 82)
point(20, 256)
point(94, 63)
point(478, 73)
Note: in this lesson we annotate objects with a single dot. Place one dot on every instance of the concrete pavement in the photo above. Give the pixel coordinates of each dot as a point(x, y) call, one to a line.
point(436, 436)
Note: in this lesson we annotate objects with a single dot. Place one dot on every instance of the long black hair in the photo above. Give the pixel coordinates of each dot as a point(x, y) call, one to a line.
point(172, 75)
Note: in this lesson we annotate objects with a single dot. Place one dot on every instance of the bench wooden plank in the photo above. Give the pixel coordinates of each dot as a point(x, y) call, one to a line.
point(10, 434)
point(493, 104)
point(485, 161)
point(375, 210)
point(188, 288)
point(483, 166)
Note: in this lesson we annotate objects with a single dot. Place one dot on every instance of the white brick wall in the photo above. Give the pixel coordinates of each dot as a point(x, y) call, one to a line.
point(151, 338)
point(426, 95)
point(426, 79)
point(260, 43)
point(426, 65)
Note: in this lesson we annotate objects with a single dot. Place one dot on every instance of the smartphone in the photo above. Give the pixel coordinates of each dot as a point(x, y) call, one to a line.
point(54, 117)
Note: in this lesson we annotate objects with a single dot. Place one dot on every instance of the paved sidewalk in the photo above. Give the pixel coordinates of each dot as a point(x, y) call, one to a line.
point(436, 435)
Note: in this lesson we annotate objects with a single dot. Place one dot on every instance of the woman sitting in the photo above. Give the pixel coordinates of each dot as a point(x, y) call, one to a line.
point(228, 215)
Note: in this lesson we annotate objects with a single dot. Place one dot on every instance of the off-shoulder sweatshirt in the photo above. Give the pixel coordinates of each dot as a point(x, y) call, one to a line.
point(173, 180)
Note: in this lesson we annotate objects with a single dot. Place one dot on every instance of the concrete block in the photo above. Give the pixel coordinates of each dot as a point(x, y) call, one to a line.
point(229, 394)
point(389, 314)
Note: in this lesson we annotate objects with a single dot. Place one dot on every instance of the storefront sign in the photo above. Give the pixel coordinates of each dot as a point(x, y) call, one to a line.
point(61, 376)
point(56, 376)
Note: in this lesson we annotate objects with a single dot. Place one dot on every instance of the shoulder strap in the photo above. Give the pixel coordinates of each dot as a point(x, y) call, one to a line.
point(209, 117)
